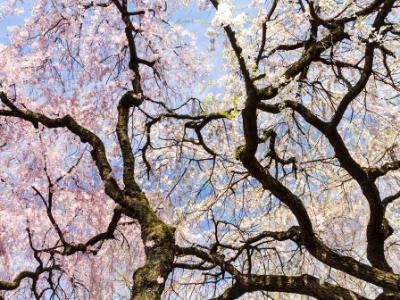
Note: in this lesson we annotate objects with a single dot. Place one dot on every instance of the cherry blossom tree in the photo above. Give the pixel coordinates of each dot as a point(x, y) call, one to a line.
point(137, 165)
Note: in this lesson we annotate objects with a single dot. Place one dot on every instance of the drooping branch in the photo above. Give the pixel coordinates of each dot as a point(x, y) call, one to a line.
point(86, 136)
point(34, 276)
point(334, 21)
point(70, 248)
point(374, 173)
point(302, 285)
point(389, 199)
point(245, 283)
